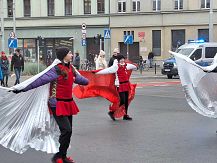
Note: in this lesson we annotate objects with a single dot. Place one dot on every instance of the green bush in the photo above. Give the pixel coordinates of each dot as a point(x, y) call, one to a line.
point(32, 68)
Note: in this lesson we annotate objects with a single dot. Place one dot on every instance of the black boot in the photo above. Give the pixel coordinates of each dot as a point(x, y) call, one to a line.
point(127, 117)
point(111, 114)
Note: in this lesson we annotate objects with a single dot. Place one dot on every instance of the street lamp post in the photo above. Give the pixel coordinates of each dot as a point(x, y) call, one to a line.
point(211, 22)
point(14, 17)
point(2, 25)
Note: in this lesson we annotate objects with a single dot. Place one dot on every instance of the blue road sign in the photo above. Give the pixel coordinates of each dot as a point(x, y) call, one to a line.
point(83, 42)
point(12, 43)
point(128, 39)
point(107, 33)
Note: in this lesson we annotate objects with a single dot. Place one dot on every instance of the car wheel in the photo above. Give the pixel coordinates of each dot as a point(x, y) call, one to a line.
point(169, 76)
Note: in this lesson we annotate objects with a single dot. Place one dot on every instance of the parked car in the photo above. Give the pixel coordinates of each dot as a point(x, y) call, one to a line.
point(201, 53)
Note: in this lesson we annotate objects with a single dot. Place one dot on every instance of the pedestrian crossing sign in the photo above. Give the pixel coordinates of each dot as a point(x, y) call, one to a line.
point(107, 33)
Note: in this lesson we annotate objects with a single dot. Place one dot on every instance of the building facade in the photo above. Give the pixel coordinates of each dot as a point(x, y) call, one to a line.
point(156, 25)
point(58, 23)
point(160, 25)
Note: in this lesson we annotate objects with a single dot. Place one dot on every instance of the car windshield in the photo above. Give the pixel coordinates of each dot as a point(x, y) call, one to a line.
point(186, 51)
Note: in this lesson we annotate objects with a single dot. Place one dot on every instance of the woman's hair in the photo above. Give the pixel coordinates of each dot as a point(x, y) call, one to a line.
point(119, 57)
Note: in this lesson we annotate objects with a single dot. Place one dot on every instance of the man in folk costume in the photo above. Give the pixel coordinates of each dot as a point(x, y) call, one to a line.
point(120, 67)
point(61, 104)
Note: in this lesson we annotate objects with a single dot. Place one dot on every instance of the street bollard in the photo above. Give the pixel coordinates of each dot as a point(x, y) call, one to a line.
point(155, 68)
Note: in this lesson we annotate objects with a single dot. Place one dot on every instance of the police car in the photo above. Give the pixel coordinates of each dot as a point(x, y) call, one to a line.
point(199, 51)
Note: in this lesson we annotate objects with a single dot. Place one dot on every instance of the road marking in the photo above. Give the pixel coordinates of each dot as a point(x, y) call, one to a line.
point(158, 84)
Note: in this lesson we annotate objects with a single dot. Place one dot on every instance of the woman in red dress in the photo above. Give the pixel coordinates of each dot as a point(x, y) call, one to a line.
point(61, 78)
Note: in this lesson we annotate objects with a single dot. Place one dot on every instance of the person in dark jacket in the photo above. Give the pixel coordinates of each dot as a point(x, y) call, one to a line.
point(76, 61)
point(114, 56)
point(17, 63)
point(150, 58)
point(4, 63)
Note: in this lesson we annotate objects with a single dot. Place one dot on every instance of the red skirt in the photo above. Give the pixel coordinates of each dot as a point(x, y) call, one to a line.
point(66, 108)
point(124, 87)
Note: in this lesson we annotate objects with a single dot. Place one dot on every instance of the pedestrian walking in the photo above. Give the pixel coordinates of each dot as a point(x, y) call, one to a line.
point(114, 56)
point(150, 58)
point(101, 62)
point(4, 63)
point(60, 75)
point(141, 64)
point(76, 61)
point(1, 76)
point(17, 64)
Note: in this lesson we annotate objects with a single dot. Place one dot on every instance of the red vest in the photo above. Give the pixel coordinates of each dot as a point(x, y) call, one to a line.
point(65, 104)
point(123, 77)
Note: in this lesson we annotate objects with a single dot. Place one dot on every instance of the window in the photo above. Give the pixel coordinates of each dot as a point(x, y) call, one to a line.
point(178, 38)
point(87, 6)
point(29, 50)
point(178, 4)
point(196, 55)
point(10, 8)
point(50, 7)
point(156, 5)
point(68, 7)
point(210, 52)
point(121, 6)
point(203, 34)
point(156, 42)
point(100, 6)
point(136, 5)
point(27, 8)
point(129, 33)
point(205, 4)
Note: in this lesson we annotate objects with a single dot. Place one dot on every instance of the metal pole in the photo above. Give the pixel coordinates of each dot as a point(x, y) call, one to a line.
point(2, 26)
point(127, 51)
point(110, 28)
point(38, 53)
point(211, 22)
point(14, 17)
point(100, 44)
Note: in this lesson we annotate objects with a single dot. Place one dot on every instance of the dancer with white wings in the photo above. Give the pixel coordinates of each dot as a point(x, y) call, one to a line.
point(25, 120)
point(199, 83)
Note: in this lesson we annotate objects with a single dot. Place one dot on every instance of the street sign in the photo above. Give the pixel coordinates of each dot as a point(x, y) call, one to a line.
point(83, 36)
point(83, 26)
point(12, 43)
point(141, 34)
point(83, 31)
point(83, 42)
point(128, 39)
point(107, 34)
point(12, 35)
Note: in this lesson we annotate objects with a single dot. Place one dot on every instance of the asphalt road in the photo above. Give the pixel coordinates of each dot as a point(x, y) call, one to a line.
point(164, 130)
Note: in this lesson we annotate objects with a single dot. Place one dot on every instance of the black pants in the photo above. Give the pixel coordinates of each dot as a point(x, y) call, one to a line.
point(5, 79)
point(124, 99)
point(65, 126)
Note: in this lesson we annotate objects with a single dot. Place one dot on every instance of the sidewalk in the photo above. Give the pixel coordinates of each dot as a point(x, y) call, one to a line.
point(148, 73)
